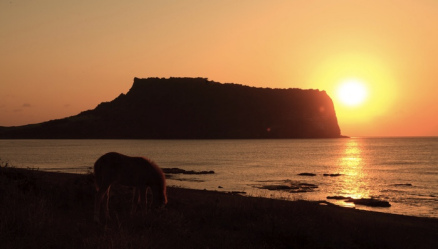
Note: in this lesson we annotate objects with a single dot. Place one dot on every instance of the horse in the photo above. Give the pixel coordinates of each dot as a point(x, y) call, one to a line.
point(138, 172)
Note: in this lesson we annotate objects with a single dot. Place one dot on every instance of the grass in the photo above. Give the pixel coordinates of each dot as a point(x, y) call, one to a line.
point(55, 210)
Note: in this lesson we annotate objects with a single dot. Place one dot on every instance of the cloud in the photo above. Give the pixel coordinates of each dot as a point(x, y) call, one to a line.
point(21, 108)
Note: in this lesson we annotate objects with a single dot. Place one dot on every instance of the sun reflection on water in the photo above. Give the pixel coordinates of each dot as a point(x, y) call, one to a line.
point(351, 166)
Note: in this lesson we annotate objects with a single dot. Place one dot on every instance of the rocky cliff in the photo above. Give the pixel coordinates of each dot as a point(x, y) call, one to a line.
point(195, 108)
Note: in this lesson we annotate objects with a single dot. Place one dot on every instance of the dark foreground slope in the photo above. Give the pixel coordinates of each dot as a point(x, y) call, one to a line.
point(186, 108)
point(54, 210)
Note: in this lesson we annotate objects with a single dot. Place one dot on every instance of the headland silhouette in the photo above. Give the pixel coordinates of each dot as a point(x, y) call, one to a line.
point(195, 108)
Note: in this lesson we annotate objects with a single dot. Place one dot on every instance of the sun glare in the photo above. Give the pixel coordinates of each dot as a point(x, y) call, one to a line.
point(352, 92)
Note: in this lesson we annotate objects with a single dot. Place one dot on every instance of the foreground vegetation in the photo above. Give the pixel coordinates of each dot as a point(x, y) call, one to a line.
point(55, 210)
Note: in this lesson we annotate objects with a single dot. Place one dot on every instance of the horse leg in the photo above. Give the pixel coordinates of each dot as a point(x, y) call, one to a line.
point(142, 194)
point(98, 203)
point(149, 194)
point(135, 196)
point(97, 200)
point(139, 197)
point(107, 216)
point(145, 195)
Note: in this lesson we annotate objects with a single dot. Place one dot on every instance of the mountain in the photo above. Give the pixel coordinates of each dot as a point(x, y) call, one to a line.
point(196, 108)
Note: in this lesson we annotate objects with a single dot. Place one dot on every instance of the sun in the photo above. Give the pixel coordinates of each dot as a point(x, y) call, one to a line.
point(352, 92)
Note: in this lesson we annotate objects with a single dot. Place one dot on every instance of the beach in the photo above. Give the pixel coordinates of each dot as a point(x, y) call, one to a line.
point(55, 210)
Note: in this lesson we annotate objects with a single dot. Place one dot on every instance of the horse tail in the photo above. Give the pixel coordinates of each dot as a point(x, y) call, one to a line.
point(109, 161)
point(163, 186)
point(98, 174)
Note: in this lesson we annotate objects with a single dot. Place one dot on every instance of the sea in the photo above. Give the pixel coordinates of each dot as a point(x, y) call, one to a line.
point(400, 170)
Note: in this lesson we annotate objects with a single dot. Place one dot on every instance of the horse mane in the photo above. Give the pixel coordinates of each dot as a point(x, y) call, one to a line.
point(161, 175)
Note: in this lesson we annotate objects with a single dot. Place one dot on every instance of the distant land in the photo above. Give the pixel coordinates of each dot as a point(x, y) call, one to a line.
point(195, 108)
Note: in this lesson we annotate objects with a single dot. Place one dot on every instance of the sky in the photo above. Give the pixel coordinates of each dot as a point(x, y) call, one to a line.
point(59, 58)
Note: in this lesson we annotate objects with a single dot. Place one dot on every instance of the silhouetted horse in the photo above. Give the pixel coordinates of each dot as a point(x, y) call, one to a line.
point(137, 172)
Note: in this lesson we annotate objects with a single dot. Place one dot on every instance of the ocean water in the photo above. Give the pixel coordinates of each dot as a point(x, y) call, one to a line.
point(403, 171)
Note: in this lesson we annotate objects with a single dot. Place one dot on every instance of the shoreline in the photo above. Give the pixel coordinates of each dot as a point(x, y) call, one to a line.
point(366, 204)
point(51, 209)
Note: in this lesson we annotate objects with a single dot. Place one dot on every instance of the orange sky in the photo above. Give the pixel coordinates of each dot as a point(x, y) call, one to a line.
point(58, 58)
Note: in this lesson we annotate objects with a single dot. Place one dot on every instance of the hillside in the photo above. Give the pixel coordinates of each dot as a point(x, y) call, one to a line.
point(195, 108)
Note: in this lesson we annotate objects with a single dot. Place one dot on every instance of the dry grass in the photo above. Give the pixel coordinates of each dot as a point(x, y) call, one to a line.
point(54, 210)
